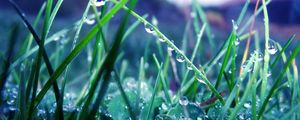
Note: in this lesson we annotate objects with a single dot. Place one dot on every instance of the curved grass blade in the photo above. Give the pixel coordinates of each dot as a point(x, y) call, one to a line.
point(201, 74)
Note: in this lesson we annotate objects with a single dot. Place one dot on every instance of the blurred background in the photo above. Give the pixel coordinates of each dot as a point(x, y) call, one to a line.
point(172, 17)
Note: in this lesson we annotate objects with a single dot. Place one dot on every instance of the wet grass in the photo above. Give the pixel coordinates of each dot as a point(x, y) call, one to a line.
point(167, 84)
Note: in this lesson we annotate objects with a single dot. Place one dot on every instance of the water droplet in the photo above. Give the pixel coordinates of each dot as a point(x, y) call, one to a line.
point(247, 105)
point(193, 14)
point(164, 106)
point(12, 108)
point(258, 55)
point(237, 41)
point(269, 74)
point(170, 48)
point(22, 67)
point(41, 112)
point(234, 24)
point(10, 101)
point(272, 47)
point(98, 3)
point(241, 117)
point(189, 66)
point(56, 38)
point(149, 28)
point(90, 21)
point(230, 72)
point(180, 58)
point(161, 38)
point(244, 66)
point(200, 80)
point(183, 101)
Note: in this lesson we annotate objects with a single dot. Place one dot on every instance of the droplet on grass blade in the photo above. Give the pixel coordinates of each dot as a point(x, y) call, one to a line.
point(234, 24)
point(269, 74)
point(272, 47)
point(149, 29)
point(244, 66)
point(90, 21)
point(180, 58)
point(258, 56)
point(161, 38)
point(247, 105)
point(200, 80)
point(237, 41)
point(98, 3)
point(183, 101)
point(170, 48)
point(189, 66)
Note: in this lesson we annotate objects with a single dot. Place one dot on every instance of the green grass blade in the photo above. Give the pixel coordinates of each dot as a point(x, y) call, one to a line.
point(286, 45)
point(278, 80)
point(266, 56)
point(154, 92)
point(125, 98)
point(39, 41)
point(227, 55)
point(201, 74)
point(85, 40)
point(9, 54)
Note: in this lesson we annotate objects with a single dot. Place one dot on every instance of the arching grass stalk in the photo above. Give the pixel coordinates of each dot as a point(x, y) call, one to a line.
point(201, 74)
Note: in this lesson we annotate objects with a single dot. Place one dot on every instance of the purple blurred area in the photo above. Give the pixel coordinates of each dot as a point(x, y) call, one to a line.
point(172, 16)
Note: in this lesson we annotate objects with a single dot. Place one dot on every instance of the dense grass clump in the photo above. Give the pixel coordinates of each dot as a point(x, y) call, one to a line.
point(83, 72)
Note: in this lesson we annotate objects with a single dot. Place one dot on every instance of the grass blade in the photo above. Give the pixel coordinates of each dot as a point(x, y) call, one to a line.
point(85, 40)
point(278, 80)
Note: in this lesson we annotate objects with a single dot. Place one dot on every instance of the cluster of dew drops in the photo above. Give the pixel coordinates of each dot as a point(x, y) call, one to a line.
point(271, 50)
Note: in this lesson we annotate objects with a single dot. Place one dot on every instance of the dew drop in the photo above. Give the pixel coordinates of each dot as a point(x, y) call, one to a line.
point(189, 66)
point(90, 21)
point(241, 117)
point(99, 3)
point(22, 67)
point(200, 80)
point(149, 28)
point(183, 101)
point(237, 41)
point(180, 58)
point(164, 106)
point(12, 108)
point(272, 48)
point(11, 101)
point(258, 55)
point(230, 72)
point(247, 105)
point(234, 24)
point(161, 38)
point(269, 74)
point(56, 38)
point(193, 14)
point(244, 66)
point(170, 48)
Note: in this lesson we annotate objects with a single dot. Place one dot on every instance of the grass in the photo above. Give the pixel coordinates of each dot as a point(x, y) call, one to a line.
point(173, 85)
